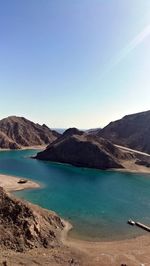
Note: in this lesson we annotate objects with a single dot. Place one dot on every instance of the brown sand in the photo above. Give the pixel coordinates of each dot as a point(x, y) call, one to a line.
point(132, 252)
point(132, 167)
point(40, 147)
point(10, 183)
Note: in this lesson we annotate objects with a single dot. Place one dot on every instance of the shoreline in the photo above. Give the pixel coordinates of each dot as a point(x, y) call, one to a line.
point(40, 147)
point(132, 167)
point(143, 170)
point(129, 165)
point(10, 183)
point(132, 252)
point(69, 239)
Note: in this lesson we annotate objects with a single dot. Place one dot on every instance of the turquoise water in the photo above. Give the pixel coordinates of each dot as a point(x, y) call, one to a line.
point(97, 203)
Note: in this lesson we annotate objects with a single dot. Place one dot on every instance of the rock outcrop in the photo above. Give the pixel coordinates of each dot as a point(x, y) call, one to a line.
point(132, 131)
point(79, 149)
point(25, 226)
point(17, 132)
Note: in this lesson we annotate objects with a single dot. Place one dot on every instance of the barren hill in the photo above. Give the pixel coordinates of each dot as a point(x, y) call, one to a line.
point(132, 131)
point(17, 132)
point(30, 235)
point(79, 149)
point(23, 227)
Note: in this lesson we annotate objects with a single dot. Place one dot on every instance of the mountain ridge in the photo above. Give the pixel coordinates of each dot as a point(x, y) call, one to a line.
point(17, 132)
point(132, 131)
point(80, 149)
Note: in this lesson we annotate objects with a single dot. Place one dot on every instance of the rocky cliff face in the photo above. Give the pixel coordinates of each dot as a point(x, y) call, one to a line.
point(79, 149)
point(25, 226)
point(17, 132)
point(132, 131)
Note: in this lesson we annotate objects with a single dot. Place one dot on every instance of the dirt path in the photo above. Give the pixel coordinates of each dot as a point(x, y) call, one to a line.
point(130, 150)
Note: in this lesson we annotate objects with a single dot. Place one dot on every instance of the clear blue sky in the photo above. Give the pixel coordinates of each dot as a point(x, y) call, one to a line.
point(76, 63)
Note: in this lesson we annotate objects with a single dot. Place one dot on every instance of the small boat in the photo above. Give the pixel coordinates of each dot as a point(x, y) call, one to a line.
point(131, 222)
point(22, 181)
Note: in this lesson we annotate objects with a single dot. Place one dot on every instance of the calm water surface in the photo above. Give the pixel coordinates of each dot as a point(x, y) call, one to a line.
point(97, 203)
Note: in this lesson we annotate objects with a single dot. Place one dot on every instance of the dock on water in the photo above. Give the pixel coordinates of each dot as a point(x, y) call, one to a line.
point(143, 226)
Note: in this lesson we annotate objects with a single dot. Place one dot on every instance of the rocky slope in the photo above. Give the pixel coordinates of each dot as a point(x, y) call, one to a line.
point(17, 132)
point(77, 148)
point(26, 226)
point(132, 131)
point(30, 235)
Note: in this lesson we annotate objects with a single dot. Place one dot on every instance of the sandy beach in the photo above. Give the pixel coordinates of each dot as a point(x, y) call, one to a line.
point(131, 167)
point(133, 252)
point(40, 147)
point(130, 252)
point(10, 183)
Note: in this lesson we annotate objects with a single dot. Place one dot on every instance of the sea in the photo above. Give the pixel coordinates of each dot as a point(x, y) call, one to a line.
point(97, 203)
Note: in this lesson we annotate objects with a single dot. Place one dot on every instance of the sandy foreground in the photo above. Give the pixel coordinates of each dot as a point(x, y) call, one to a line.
point(10, 183)
point(130, 252)
point(133, 252)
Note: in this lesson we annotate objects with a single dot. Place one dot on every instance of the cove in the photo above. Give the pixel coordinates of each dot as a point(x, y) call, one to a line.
point(97, 203)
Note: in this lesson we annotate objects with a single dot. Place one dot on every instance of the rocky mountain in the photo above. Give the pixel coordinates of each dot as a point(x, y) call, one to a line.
point(80, 149)
point(17, 132)
point(132, 131)
point(26, 226)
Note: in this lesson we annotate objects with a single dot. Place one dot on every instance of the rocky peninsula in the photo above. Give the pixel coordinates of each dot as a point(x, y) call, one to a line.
point(80, 149)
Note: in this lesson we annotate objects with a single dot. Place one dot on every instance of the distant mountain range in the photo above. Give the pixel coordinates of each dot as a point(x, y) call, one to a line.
point(17, 132)
point(132, 131)
point(96, 148)
point(93, 148)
